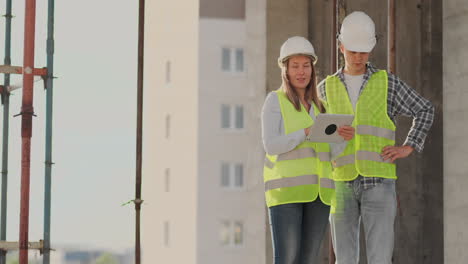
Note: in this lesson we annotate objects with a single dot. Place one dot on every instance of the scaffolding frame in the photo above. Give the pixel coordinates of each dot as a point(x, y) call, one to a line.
point(27, 112)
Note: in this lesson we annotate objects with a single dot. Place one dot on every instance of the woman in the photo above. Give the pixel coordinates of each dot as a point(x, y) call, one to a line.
point(297, 172)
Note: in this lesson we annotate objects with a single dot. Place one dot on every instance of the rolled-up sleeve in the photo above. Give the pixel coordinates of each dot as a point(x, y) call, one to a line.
point(409, 103)
point(273, 136)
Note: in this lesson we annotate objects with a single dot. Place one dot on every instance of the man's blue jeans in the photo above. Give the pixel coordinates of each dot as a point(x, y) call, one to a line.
point(297, 231)
point(376, 206)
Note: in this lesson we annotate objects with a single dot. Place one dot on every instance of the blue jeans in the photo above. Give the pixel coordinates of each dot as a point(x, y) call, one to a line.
point(297, 231)
point(376, 207)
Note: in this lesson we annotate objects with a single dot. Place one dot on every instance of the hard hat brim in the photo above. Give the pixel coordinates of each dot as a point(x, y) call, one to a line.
point(359, 46)
point(282, 60)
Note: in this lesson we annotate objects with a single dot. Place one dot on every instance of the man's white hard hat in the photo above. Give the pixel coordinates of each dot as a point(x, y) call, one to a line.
point(296, 46)
point(358, 32)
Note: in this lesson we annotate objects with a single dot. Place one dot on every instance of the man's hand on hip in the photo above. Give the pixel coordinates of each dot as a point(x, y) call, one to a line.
point(394, 152)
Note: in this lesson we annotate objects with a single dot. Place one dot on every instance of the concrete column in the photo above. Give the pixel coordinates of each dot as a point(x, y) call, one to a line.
point(320, 34)
point(256, 59)
point(432, 240)
point(455, 109)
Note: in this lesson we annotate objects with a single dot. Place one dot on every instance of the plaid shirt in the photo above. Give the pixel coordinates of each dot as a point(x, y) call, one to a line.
point(401, 100)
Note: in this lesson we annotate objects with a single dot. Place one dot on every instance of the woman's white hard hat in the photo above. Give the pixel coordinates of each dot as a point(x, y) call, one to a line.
point(296, 46)
point(358, 32)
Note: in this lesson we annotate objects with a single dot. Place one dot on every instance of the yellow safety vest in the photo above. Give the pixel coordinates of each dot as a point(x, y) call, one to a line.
point(374, 129)
point(302, 174)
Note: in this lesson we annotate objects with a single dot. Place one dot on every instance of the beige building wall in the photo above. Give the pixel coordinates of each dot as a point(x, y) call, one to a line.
point(184, 143)
point(219, 203)
point(169, 211)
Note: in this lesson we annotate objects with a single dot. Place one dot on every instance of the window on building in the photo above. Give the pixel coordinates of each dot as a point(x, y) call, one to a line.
point(238, 233)
point(232, 59)
point(168, 126)
point(226, 59)
point(225, 174)
point(239, 116)
point(167, 179)
point(231, 233)
point(232, 116)
point(168, 72)
point(232, 175)
point(166, 233)
point(225, 116)
point(225, 233)
point(239, 175)
point(239, 60)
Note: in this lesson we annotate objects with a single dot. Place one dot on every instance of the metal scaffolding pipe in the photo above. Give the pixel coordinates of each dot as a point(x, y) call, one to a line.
point(27, 112)
point(6, 125)
point(334, 49)
point(391, 62)
point(138, 201)
point(48, 137)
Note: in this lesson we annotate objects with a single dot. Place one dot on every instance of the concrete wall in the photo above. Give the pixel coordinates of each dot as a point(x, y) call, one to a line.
point(320, 34)
point(175, 39)
point(285, 19)
point(455, 21)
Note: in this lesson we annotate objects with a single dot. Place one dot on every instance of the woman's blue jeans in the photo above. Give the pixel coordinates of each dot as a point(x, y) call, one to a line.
point(297, 231)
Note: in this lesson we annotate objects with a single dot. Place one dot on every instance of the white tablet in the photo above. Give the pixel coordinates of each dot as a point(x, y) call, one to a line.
point(325, 127)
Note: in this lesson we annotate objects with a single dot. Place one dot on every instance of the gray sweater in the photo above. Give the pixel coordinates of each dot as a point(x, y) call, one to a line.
point(273, 135)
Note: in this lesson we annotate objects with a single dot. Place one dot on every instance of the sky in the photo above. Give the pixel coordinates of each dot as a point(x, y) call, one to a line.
point(94, 123)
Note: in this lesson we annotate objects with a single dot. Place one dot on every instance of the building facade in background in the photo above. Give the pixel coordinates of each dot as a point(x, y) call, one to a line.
point(203, 195)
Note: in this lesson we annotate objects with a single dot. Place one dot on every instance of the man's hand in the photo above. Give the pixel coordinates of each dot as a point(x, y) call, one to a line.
point(347, 132)
point(394, 152)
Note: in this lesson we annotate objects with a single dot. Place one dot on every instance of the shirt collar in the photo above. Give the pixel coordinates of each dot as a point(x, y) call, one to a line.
point(370, 69)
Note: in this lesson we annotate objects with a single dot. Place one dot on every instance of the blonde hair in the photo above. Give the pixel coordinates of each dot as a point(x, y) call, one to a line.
point(311, 92)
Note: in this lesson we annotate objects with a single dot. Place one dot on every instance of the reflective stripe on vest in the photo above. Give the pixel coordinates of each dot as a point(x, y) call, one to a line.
point(291, 182)
point(294, 154)
point(303, 153)
point(327, 183)
point(375, 131)
point(324, 156)
point(360, 155)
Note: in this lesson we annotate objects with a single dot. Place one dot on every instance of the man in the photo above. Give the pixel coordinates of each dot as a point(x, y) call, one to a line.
point(364, 169)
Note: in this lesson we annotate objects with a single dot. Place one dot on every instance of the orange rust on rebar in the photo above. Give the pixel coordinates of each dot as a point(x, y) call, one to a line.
point(27, 111)
point(19, 70)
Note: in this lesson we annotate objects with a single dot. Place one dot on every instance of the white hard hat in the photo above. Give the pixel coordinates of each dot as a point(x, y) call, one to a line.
point(358, 32)
point(296, 46)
